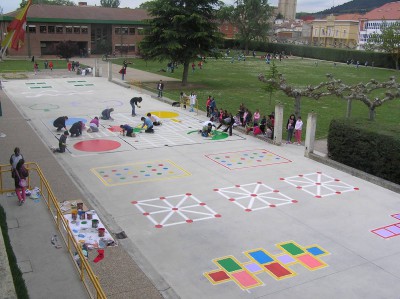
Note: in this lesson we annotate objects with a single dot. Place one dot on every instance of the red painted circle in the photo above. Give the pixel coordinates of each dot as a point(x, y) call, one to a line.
point(217, 216)
point(259, 182)
point(174, 209)
point(318, 184)
point(188, 194)
point(159, 226)
point(272, 206)
point(231, 199)
point(215, 189)
point(253, 195)
point(294, 201)
point(189, 221)
point(202, 203)
point(276, 191)
point(97, 145)
point(237, 186)
point(299, 187)
point(318, 196)
point(356, 189)
point(134, 202)
point(248, 210)
point(282, 179)
point(162, 197)
point(146, 214)
point(338, 192)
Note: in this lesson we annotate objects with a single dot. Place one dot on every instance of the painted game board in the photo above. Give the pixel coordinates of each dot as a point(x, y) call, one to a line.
point(176, 209)
point(319, 184)
point(116, 175)
point(389, 231)
point(255, 196)
point(246, 159)
point(278, 266)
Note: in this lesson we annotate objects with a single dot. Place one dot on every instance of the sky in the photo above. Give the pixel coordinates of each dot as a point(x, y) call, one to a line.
point(302, 5)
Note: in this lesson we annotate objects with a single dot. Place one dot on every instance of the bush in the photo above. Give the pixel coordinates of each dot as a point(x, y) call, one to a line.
point(352, 144)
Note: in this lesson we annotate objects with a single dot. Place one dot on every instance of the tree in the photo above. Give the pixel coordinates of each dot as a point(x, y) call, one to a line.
point(67, 49)
point(110, 3)
point(144, 5)
point(387, 41)
point(272, 74)
point(49, 2)
point(251, 17)
point(181, 31)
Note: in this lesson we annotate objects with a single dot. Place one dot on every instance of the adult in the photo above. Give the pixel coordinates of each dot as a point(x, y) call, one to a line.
point(76, 129)
point(106, 114)
point(155, 119)
point(20, 175)
point(14, 159)
point(59, 123)
point(94, 125)
point(148, 123)
point(127, 130)
point(298, 128)
point(290, 128)
point(134, 102)
point(62, 143)
point(213, 105)
point(160, 88)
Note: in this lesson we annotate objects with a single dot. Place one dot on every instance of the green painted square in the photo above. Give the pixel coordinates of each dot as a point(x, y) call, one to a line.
point(78, 84)
point(46, 86)
point(33, 87)
point(292, 248)
point(229, 265)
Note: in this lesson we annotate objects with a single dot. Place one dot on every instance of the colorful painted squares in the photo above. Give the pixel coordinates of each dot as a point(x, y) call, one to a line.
point(261, 261)
point(389, 231)
point(246, 159)
point(319, 184)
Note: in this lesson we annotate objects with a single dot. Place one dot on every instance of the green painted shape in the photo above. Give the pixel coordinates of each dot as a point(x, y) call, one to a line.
point(292, 249)
point(35, 87)
point(81, 81)
point(46, 87)
point(41, 83)
point(78, 84)
point(190, 132)
point(137, 130)
point(229, 264)
point(71, 81)
point(89, 84)
point(30, 83)
point(219, 135)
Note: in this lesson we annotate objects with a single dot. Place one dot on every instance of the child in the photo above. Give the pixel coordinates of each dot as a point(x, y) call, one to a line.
point(298, 127)
point(147, 122)
point(106, 114)
point(128, 129)
point(94, 125)
point(62, 143)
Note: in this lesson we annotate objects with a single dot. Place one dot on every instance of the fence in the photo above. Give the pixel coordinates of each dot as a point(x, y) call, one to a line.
point(36, 178)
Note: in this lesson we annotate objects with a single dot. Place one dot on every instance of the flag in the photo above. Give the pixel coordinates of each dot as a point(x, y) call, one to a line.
point(16, 29)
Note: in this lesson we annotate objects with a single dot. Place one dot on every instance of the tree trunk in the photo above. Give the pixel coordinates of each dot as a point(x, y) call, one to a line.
point(397, 64)
point(185, 73)
point(371, 113)
point(348, 113)
point(297, 108)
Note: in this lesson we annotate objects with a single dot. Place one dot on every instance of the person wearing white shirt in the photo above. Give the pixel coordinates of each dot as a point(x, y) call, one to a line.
point(193, 99)
point(297, 130)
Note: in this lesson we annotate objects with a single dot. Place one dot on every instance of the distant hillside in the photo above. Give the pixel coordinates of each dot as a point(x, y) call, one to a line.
point(355, 6)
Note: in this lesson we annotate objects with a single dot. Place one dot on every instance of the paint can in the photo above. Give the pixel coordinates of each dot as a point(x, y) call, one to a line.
point(89, 215)
point(79, 205)
point(101, 231)
point(82, 215)
point(95, 223)
point(74, 214)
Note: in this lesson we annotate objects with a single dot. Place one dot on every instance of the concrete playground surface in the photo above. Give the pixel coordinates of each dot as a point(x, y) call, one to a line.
point(229, 217)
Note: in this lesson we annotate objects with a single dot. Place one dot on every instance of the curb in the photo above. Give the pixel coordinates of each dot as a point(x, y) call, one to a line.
point(7, 289)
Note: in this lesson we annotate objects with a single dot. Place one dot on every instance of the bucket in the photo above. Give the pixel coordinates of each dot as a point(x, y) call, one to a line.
point(95, 223)
point(79, 205)
point(101, 231)
point(74, 214)
point(89, 216)
point(81, 215)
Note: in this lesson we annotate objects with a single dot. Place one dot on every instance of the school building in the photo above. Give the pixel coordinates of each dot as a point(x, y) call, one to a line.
point(93, 29)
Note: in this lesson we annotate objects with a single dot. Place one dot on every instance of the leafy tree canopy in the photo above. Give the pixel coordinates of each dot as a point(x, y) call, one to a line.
point(48, 2)
point(110, 3)
point(145, 5)
point(181, 31)
point(251, 17)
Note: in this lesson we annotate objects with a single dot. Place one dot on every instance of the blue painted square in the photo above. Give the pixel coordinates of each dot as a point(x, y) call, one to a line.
point(315, 251)
point(261, 257)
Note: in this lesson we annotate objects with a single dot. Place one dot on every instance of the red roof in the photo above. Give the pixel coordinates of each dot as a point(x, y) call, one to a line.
point(84, 13)
point(348, 17)
point(389, 11)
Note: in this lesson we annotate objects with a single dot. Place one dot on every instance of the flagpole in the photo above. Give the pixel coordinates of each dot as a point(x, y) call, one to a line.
point(4, 49)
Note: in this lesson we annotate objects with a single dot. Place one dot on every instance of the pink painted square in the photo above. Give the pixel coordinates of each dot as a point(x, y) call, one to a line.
point(310, 261)
point(245, 279)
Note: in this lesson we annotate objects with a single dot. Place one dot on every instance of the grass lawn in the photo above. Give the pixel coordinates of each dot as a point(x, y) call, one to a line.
point(234, 83)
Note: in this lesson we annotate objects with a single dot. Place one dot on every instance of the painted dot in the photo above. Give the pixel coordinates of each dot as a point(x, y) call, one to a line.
point(135, 176)
point(231, 199)
point(319, 172)
point(282, 179)
point(174, 209)
point(229, 164)
point(258, 160)
point(276, 191)
point(158, 226)
point(239, 162)
point(202, 203)
point(147, 175)
point(216, 189)
point(337, 180)
point(146, 214)
point(162, 197)
point(101, 172)
point(126, 168)
point(294, 201)
point(223, 161)
point(134, 202)
point(318, 184)
point(318, 196)
point(142, 171)
point(160, 164)
point(154, 169)
point(248, 210)
point(165, 168)
point(300, 175)
point(217, 158)
point(356, 189)
point(114, 170)
point(253, 195)
point(242, 158)
point(188, 194)
point(189, 221)
point(105, 176)
point(259, 182)
point(159, 173)
point(118, 174)
point(217, 216)
point(122, 178)
point(149, 166)
point(237, 186)
point(272, 206)
point(338, 192)
point(299, 187)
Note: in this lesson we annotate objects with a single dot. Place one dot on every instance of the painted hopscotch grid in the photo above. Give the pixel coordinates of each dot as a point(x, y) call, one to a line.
point(318, 184)
point(176, 209)
point(117, 175)
point(255, 196)
point(37, 85)
point(79, 83)
point(278, 266)
point(389, 231)
point(248, 158)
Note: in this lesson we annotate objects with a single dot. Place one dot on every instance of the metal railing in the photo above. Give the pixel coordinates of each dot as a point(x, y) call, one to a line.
point(86, 274)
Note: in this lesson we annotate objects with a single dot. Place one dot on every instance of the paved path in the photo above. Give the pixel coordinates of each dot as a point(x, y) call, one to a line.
point(229, 218)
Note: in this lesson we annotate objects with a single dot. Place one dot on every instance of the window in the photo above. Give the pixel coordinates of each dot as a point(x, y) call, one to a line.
point(51, 29)
point(77, 29)
point(68, 29)
point(59, 29)
point(132, 30)
point(84, 30)
point(117, 30)
point(43, 29)
point(32, 28)
point(124, 30)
